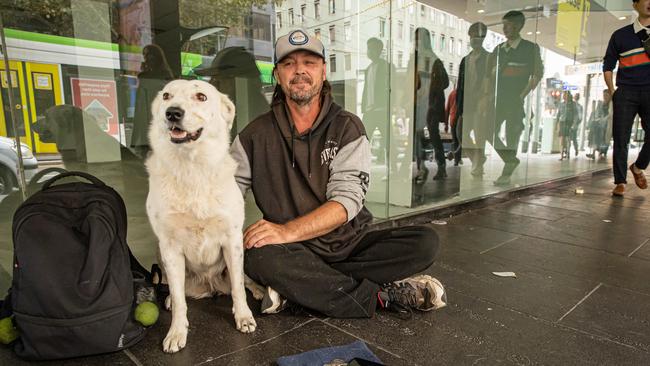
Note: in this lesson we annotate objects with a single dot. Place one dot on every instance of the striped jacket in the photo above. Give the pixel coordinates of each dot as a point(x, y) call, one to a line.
point(626, 49)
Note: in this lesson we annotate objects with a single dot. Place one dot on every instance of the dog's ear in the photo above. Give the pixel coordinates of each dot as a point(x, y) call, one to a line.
point(227, 109)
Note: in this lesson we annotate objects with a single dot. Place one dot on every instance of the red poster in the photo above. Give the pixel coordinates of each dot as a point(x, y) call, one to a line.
point(98, 98)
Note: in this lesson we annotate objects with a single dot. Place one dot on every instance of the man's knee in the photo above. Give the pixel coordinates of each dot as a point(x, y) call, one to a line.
point(261, 263)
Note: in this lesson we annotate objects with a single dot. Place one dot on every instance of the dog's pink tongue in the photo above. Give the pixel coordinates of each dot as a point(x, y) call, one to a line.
point(178, 134)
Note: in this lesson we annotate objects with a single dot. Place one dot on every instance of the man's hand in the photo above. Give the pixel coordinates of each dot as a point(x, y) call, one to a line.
point(611, 93)
point(264, 233)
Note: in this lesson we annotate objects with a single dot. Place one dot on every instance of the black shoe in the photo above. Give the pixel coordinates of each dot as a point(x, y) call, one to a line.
point(422, 175)
point(450, 155)
point(421, 292)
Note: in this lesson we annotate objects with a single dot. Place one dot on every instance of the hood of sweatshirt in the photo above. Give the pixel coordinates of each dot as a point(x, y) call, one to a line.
point(284, 122)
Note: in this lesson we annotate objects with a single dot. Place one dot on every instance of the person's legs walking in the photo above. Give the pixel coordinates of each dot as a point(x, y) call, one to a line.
point(514, 128)
point(625, 108)
point(438, 151)
point(420, 156)
point(458, 136)
point(643, 159)
point(497, 142)
point(574, 140)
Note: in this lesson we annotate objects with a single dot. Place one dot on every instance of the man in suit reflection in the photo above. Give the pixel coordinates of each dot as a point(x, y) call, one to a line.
point(374, 101)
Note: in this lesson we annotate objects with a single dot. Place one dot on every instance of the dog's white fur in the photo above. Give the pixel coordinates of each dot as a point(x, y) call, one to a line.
point(195, 206)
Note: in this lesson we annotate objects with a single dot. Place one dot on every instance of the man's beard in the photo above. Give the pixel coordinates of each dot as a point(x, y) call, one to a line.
point(304, 96)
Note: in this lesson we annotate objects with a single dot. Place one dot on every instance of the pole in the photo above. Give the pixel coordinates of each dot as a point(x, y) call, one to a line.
point(10, 93)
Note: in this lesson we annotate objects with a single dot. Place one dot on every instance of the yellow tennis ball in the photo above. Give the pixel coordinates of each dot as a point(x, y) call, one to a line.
point(146, 313)
point(8, 333)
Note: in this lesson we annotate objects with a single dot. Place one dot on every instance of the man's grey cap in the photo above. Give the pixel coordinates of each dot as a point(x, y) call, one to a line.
point(297, 40)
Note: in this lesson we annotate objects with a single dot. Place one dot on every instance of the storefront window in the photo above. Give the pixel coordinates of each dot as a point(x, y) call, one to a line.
point(84, 73)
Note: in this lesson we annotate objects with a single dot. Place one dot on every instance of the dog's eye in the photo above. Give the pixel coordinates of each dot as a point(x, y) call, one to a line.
point(166, 96)
point(201, 97)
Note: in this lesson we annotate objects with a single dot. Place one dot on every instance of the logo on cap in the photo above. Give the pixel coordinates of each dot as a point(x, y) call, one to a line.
point(298, 38)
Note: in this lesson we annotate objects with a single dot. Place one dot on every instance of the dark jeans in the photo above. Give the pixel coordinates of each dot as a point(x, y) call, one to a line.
point(627, 104)
point(434, 141)
point(346, 289)
point(457, 141)
point(513, 116)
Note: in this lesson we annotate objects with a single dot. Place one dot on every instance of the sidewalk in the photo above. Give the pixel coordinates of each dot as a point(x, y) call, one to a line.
point(581, 296)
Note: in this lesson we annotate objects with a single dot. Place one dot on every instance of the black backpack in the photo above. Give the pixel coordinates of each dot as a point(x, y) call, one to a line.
point(73, 288)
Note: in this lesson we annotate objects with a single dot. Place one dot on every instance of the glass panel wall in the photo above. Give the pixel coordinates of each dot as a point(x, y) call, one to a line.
point(459, 99)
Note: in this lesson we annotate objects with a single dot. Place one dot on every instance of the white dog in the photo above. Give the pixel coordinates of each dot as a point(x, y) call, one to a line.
point(194, 205)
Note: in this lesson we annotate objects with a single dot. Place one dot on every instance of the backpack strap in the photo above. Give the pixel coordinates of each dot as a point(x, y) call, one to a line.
point(94, 180)
point(161, 288)
point(136, 267)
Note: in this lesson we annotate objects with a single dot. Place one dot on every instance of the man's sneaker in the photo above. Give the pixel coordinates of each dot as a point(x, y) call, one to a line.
point(272, 302)
point(421, 292)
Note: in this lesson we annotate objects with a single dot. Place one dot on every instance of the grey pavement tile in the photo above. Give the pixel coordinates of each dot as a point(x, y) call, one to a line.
point(615, 313)
point(212, 332)
point(536, 291)
point(470, 237)
point(572, 203)
point(473, 331)
point(591, 232)
point(312, 335)
point(516, 207)
point(642, 251)
point(638, 203)
point(589, 194)
point(594, 265)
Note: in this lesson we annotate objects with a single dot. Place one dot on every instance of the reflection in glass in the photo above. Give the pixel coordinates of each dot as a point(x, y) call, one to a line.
point(600, 127)
point(518, 67)
point(473, 100)
point(154, 74)
point(374, 100)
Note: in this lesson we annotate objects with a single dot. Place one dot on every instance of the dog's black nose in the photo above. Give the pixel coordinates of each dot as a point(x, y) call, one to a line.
point(174, 114)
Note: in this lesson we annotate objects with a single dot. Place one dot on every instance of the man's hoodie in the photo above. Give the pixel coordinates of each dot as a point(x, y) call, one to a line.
point(292, 174)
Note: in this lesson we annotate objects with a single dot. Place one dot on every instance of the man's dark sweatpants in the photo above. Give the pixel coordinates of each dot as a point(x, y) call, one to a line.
point(344, 289)
point(627, 104)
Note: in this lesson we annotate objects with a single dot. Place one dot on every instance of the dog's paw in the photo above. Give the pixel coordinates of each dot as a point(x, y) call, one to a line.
point(175, 340)
point(257, 291)
point(168, 302)
point(246, 323)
